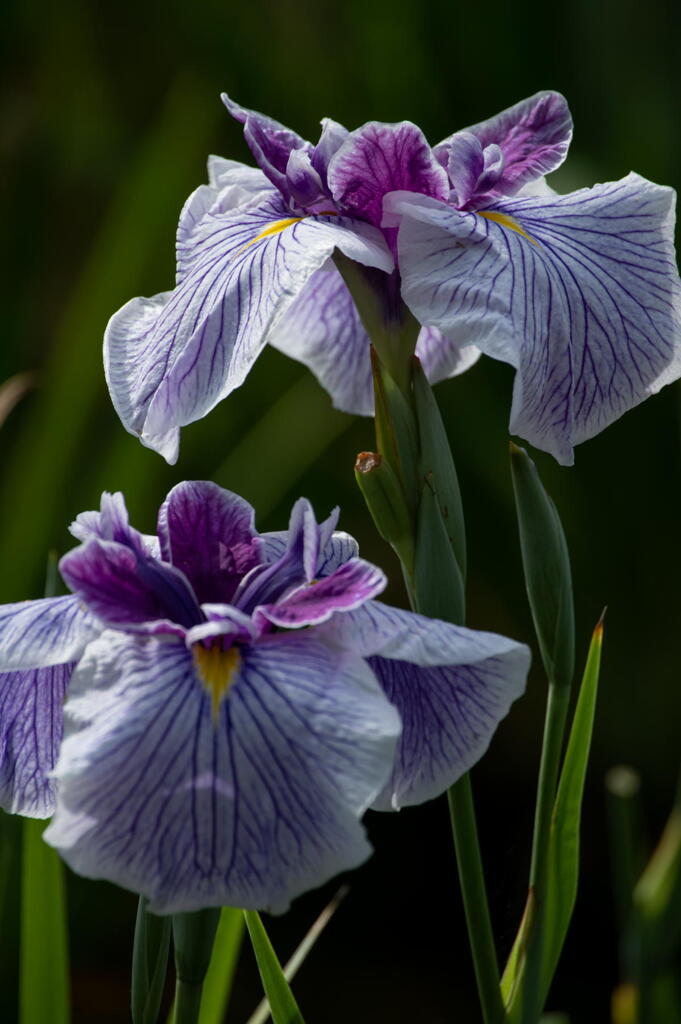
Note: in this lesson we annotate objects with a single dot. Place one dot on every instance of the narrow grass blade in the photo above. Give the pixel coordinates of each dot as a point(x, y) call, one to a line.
point(283, 1006)
point(218, 984)
point(563, 873)
point(44, 960)
point(262, 1013)
point(543, 928)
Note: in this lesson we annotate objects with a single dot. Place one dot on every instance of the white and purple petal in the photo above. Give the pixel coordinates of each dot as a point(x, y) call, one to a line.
point(380, 158)
point(306, 543)
point(111, 523)
point(270, 142)
point(349, 587)
point(339, 549)
point(452, 686)
point(533, 137)
point(209, 534)
point(49, 631)
point(31, 726)
point(247, 810)
point(579, 292)
point(322, 330)
point(131, 592)
point(171, 359)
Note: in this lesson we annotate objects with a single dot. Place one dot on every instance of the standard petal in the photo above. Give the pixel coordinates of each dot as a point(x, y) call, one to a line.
point(322, 330)
point(579, 292)
point(170, 359)
point(270, 142)
point(209, 534)
point(249, 810)
point(306, 542)
point(31, 725)
point(339, 549)
point(451, 686)
point(129, 591)
point(35, 634)
point(348, 587)
point(111, 523)
point(380, 158)
point(533, 136)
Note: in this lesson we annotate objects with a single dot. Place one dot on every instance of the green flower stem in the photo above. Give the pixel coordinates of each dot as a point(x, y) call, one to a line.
point(474, 894)
point(187, 1001)
point(194, 935)
point(436, 589)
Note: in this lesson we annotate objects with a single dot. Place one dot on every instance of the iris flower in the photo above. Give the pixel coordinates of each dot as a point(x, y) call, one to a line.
point(236, 701)
point(579, 293)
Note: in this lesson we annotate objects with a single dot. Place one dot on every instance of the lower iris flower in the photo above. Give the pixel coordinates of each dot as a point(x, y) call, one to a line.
point(235, 702)
point(579, 293)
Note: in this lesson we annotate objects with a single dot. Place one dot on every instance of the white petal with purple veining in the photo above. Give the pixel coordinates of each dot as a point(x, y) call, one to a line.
point(247, 811)
point(322, 330)
point(451, 686)
point(339, 549)
point(170, 359)
point(579, 292)
point(35, 634)
point(31, 726)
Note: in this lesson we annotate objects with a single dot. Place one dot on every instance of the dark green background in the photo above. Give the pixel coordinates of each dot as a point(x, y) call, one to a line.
point(109, 112)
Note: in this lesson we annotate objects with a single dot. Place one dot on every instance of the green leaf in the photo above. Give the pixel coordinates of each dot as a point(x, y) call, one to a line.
point(437, 464)
point(283, 1006)
point(539, 941)
point(396, 432)
point(149, 963)
point(44, 958)
point(563, 869)
point(437, 577)
point(546, 564)
point(217, 986)
point(262, 1013)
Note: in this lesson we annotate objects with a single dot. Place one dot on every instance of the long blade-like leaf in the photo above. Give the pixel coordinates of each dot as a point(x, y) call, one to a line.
point(218, 984)
point(283, 1006)
point(44, 960)
point(563, 873)
point(262, 1012)
point(563, 856)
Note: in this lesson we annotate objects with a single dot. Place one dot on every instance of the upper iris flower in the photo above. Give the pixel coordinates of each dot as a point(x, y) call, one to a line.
point(236, 701)
point(579, 293)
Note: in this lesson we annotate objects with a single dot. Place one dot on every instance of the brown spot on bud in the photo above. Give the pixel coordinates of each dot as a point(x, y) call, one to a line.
point(366, 461)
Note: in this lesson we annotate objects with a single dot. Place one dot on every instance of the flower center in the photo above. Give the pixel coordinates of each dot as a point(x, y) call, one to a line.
point(217, 667)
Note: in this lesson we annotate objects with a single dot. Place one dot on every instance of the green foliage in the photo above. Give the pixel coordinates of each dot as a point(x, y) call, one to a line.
point(542, 932)
point(44, 955)
point(217, 986)
point(283, 1006)
point(546, 563)
point(437, 464)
